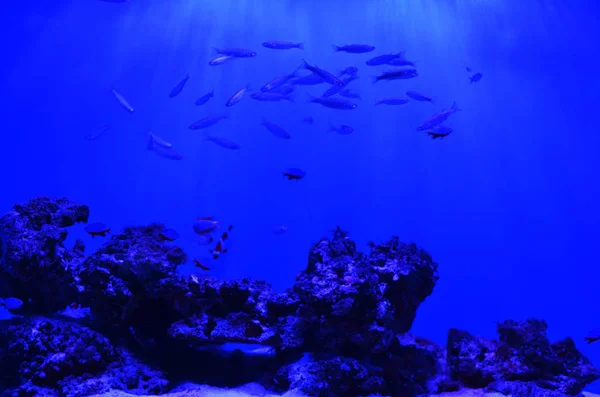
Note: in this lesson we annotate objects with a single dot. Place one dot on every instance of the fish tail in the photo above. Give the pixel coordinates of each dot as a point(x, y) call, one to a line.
point(336, 48)
point(305, 64)
point(215, 50)
point(300, 46)
point(589, 340)
point(212, 92)
point(455, 107)
point(375, 79)
point(290, 98)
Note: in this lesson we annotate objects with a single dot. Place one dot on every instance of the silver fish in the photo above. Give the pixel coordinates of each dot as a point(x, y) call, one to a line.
point(438, 118)
point(276, 130)
point(235, 98)
point(207, 121)
point(224, 143)
point(122, 101)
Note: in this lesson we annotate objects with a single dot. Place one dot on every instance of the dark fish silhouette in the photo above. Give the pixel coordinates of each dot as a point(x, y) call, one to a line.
point(177, 89)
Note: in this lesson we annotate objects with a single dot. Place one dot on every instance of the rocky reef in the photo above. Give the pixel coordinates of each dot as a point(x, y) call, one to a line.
point(343, 329)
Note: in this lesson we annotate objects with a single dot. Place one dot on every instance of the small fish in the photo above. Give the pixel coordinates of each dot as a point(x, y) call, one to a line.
point(401, 62)
point(439, 131)
point(341, 129)
point(122, 101)
point(200, 265)
point(476, 77)
point(593, 336)
point(271, 97)
point(220, 247)
point(11, 303)
point(333, 103)
point(294, 173)
point(276, 130)
point(162, 148)
point(278, 230)
point(278, 82)
point(205, 225)
point(158, 141)
point(237, 97)
point(325, 75)
point(418, 96)
point(98, 133)
point(384, 59)
point(205, 98)
point(177, 89)
point(349, 71)
point(349, 93)
point(308, 120)
point(224, 143)
point(397, 74)
point(168, 235)
point(220, 60)
point(282, 45)
point(311, 79)
point(207, 121)
point(438, 118)
point(97, 229)
point(236, 52)
point(164, 152)
point(391, 101)
point(205, 240)
point(334, 89)
point(354, 48)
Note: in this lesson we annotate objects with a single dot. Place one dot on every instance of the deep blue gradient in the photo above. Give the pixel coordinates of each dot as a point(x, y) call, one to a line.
point(508, 204)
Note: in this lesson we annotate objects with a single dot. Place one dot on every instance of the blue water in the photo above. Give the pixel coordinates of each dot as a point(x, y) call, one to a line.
point(507, 204)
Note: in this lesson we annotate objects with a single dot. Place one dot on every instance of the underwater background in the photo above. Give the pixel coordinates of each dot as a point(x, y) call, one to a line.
point(507, 204)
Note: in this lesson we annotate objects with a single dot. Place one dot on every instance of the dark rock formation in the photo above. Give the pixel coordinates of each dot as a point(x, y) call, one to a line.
point(524, 354)
point(355, 304)
point(131, 281)
point(34, 264)
point(43, 356)
point(238, 311)
point(350, 311)
point(339, 376)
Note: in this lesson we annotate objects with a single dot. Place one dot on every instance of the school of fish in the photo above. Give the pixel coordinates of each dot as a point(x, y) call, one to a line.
point(337, 95)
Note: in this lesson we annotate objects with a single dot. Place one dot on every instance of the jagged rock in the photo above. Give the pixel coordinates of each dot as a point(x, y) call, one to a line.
point(40, 356)
point(34, 264)
point(131, 280)
point(523, 353)
point(415, 366)
point(332, 377)
point(46, 351)
point(516, 388)
point(355, 304)
point(243, 311)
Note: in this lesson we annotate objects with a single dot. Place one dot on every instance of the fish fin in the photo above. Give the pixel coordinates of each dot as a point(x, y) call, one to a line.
point(305, 65)
point(215, 49)
point(455, 107)
point(336, 48)
point(300, 46)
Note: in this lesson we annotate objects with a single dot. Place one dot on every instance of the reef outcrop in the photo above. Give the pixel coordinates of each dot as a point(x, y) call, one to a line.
point(342, 329)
